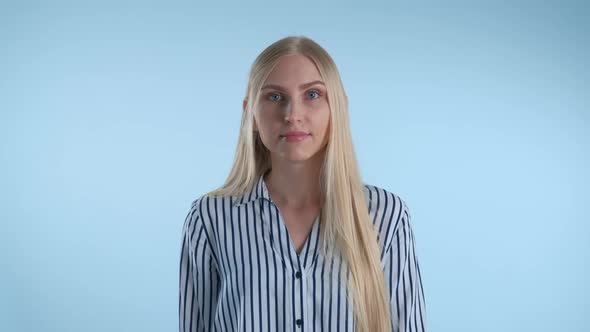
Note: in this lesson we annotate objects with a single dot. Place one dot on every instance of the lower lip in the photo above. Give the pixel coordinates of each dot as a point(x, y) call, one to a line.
point(295, 138)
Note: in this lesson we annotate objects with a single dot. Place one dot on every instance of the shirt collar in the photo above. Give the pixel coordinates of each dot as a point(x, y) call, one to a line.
point(257, 191)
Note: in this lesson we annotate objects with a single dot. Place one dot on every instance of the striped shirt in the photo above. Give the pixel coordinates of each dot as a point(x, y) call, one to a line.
point(240, 272)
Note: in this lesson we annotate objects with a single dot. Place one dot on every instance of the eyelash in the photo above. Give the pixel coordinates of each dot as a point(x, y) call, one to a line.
point(275, 93)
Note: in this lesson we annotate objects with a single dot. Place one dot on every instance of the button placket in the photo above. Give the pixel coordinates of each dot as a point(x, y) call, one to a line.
point(299, 303)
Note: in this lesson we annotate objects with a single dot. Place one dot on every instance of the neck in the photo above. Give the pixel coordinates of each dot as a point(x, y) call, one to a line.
point(295, 185)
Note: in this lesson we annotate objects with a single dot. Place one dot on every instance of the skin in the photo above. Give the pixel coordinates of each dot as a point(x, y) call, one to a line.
point(293, 183)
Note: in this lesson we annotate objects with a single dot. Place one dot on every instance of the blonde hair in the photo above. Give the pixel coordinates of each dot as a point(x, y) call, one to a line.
point(344, 213)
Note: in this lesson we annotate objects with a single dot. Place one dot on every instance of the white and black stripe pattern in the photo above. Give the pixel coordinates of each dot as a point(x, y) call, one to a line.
point(240, 272)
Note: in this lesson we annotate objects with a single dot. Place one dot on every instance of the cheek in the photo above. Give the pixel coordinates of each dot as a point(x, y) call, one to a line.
point(269, 128)
point(269, 115)
point(265, 119)
point(323, 119)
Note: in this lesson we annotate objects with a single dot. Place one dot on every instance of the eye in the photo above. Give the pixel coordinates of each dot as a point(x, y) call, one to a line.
point(274, 97)
point(312, 92)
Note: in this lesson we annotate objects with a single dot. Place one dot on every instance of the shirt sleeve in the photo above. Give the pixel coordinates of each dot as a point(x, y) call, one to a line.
point(408, 308)
point(198, 278)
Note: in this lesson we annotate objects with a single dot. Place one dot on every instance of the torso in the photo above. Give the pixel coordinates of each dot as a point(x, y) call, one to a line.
point(299, 224)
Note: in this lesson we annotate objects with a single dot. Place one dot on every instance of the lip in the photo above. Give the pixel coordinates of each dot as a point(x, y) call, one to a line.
point(295, 134)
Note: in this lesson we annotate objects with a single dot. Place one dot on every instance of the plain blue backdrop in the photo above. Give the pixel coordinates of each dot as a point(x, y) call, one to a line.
point(114, 116)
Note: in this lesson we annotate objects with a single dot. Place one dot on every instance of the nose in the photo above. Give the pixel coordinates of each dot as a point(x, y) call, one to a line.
point(293, 112)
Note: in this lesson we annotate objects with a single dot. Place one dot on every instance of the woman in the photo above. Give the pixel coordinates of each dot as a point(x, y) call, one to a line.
point(294, 240)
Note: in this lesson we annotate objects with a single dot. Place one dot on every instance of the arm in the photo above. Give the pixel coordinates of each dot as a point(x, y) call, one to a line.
point(408, 308)
point(197, 277)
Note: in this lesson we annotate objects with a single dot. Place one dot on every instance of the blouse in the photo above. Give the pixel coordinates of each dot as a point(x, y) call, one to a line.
point(239, 270)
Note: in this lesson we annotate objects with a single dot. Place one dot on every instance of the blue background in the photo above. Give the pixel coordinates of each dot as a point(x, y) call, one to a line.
point(114, 116)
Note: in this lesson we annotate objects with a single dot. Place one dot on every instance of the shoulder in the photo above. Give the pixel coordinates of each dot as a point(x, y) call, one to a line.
point(209, 207)
point(388, 211)
point(192, 219)
point(200, 215)
point(197, 231)
point(211, 211)
point(383, 201)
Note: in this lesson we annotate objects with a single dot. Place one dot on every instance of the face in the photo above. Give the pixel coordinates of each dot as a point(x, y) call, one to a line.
point(293, 114)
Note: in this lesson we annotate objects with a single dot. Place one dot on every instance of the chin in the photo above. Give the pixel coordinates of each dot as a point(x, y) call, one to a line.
point(298, 155)
point(296, 158)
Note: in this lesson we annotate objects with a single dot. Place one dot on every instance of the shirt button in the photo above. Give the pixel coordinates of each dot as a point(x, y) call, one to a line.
point(298, 275)
point(299, 322)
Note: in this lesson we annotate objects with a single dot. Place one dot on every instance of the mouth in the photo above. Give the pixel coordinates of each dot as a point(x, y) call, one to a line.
point(295, 137)
point(295, 134)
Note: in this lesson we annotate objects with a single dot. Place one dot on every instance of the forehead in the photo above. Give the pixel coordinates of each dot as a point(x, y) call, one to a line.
point(292, 70)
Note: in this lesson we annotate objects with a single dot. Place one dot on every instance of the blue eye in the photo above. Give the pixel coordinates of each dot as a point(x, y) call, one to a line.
point(273, 95)
point(312, 92)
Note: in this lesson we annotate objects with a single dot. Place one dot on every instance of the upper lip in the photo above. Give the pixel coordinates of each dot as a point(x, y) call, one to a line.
point(295, 133)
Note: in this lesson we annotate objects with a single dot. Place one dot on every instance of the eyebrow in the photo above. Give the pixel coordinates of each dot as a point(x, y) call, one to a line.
point(301, 87)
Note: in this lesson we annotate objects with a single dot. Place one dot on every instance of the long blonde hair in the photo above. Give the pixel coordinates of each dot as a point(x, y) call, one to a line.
point(344, 213)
